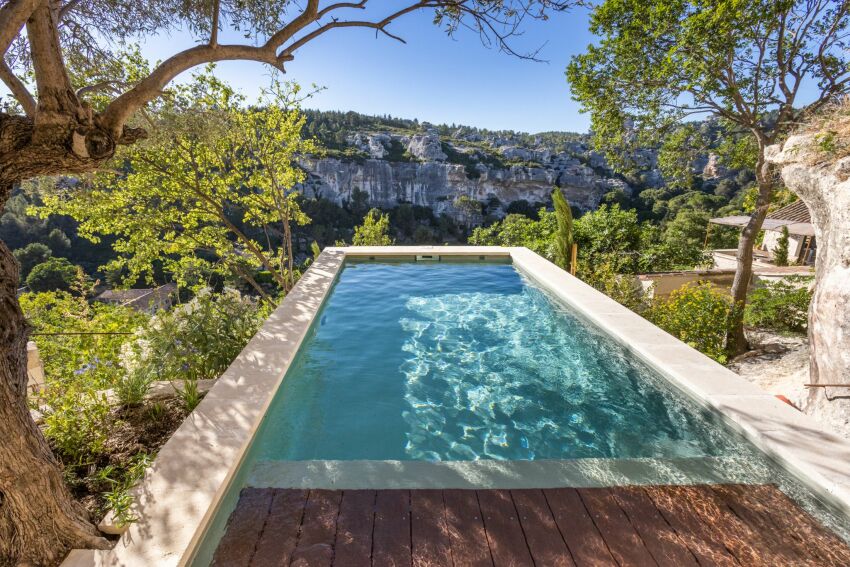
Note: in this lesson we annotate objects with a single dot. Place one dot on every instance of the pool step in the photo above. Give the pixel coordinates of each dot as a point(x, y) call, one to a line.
point(577, 473)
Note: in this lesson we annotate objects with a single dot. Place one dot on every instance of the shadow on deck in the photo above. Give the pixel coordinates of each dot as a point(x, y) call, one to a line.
point(739, 525)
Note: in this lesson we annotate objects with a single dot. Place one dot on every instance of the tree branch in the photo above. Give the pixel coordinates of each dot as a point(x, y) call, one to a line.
point(13, 16)
point(380, 26)
point(18, 89)
point(214, 28)
point(67, 8)
point(339, 5)
point(120, 109)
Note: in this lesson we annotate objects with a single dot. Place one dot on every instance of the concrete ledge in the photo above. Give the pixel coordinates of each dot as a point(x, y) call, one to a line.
point(819, 458)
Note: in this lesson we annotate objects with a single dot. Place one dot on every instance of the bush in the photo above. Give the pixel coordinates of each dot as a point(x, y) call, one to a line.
point(197, 340)
point(374, 231)
point(54, 274)
point(780, 253)
point(780, 306)
point(698, 314)
point(77, 423)
point(30, 256)
point(621, 288)
point(90, 360)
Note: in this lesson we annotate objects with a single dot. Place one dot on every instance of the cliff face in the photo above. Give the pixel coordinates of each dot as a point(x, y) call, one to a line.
point(434, 173)
point(819, 173)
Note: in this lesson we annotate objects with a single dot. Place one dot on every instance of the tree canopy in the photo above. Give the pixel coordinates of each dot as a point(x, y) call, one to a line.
point(746, 63)
point(212, 192)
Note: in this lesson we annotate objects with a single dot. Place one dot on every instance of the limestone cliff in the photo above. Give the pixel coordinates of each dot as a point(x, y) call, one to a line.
point(424, 169)
point(816, 166)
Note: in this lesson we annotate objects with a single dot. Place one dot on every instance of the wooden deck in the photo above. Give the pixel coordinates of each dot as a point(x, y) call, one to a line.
point(724, 525)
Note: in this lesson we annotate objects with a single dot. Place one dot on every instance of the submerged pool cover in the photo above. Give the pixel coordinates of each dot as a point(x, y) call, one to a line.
point(469, 375)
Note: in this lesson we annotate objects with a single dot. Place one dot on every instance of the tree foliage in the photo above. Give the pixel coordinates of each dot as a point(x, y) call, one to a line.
point(745, 63)
point(374, 231)
point(212, 192)
point(564, 235)
point(54, 274)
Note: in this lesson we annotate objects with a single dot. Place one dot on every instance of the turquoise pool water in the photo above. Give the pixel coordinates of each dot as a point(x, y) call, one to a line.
point(467, 361)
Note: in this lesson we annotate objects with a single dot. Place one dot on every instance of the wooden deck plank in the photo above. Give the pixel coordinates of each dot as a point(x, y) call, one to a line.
point(796, 525)
point(624, 542)
point(353, 545)
point(748, 546)
point(751, 511)
point(244, 528)
point(541, 533)
point(577, 528)
point(660, 539)
point(280, 534)
point(706, 545)
point(727, 525)
point(391, 539)
point(504, 532)
point(429, 534)
point(466, 529)
point(318, 530)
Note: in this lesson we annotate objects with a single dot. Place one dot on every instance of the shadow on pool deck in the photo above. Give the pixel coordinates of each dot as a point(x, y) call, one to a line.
point(746, 525)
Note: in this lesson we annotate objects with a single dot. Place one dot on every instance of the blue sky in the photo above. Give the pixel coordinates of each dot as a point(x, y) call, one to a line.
point(433, 77)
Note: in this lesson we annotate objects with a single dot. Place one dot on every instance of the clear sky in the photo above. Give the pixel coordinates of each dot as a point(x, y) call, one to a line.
point(433, 77)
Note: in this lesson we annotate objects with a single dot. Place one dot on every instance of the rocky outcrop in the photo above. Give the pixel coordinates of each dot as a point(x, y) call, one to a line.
point(425, 174)
point(437, 184)
point(822, 180)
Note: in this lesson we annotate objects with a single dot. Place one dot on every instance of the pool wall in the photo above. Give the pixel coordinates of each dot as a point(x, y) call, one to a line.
point(188, 483)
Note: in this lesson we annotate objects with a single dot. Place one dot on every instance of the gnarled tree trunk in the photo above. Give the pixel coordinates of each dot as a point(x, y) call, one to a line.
point(824, 185)
point(38, 517)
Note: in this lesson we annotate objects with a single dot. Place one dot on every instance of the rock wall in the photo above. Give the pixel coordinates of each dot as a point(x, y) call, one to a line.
point(430, 179)
point(822, 181)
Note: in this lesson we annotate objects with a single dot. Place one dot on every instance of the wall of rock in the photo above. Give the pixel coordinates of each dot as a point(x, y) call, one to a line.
point(428, 177)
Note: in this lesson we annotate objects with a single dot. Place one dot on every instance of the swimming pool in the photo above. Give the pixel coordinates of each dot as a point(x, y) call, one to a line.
point(441, 361)
point(469, 374)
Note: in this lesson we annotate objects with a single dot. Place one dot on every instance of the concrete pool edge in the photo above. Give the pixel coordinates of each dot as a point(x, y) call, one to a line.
point(792, 438)
point(493, 474)
point(183, 489)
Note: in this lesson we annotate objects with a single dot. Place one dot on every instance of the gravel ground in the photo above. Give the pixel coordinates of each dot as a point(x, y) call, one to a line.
point(779, 364)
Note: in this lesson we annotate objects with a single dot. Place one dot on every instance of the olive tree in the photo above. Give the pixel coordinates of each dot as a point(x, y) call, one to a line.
point(747, 63)
point(75, 103)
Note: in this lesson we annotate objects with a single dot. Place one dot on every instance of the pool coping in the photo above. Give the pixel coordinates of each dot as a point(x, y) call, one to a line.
point(180, 493)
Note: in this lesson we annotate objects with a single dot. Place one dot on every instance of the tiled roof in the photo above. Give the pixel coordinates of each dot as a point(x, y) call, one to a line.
point(795, 212)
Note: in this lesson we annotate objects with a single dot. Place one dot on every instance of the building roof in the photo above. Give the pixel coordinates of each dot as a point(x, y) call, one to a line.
point(796, 212)
point(795, 216)
point(138, 298)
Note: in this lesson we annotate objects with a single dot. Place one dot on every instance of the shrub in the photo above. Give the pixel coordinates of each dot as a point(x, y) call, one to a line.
point(780, 306)
point(77, 423)
point(698, 314)
point(54, 274)
point(780, 253)
point(132, 387)
point(374, 231)
point(30, 256)
point(621, 288)
point(196, 340)
point(90, 360)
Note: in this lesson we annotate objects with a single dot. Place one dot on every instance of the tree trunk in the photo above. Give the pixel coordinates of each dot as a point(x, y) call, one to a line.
point(825, 188)
point(736, 340)
point(39, 520)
